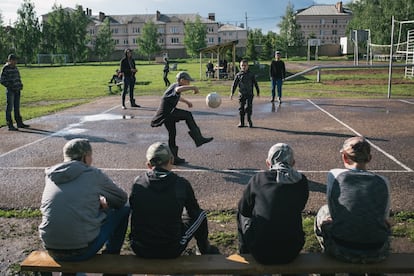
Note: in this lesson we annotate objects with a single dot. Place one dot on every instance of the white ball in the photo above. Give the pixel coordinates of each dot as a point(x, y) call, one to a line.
point(213, 100)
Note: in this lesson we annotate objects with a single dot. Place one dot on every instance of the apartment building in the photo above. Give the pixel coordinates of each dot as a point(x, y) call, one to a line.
point(127, 28)
point(327, 23)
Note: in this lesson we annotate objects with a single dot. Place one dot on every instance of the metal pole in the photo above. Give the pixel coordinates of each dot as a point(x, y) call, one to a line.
point(390, 65)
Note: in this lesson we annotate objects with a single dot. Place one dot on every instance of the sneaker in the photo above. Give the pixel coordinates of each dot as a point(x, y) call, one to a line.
point(178, 160)
point(135, 105)
point(124, 107)
point(12, 128)
point(22, 125)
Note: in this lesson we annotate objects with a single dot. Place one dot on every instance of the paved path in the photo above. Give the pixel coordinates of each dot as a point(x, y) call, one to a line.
point(315, 128)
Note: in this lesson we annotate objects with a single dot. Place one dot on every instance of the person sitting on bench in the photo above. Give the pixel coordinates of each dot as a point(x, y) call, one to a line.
point(269, 215)
point(117, 77)
point(82, 208)
point(165, 214)
point(353, 226)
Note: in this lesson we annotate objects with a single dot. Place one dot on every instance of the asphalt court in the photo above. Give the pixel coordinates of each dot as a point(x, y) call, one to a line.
point(218, 171)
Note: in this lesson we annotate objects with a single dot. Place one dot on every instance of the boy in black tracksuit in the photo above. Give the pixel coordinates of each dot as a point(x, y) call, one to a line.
point(159, 228)
point(245, 80)
point(168, 114)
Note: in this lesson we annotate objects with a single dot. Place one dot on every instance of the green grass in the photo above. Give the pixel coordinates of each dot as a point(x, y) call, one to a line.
point(50, 89)
point(402, 226)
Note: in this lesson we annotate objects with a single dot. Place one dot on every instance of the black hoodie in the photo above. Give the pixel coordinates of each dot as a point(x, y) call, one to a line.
point(157, 201)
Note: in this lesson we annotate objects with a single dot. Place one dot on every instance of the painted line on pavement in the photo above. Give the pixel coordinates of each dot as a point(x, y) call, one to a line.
point(404, 101)
point(198, 170)
point(358, 134)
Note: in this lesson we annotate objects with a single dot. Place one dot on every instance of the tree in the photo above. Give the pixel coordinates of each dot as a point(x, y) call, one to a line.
point(66, 32)
point(195, 37)
point(251, 52)
point(376, 15)
point(104, 44)
point(148, 41)
point(27, 34)
point(290, 34)
point(6, 45)
point(268, 46)
point(78, 48)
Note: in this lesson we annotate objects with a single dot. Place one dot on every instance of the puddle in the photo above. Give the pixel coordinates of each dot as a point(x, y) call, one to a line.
point(105, 117)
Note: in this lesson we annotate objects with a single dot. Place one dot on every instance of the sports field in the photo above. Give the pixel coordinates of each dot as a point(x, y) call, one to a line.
point(315, 128)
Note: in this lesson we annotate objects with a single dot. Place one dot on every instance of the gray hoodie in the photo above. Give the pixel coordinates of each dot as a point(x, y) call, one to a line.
point(71, 212)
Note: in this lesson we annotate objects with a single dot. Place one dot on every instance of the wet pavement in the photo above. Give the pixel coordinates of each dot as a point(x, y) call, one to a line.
point(218, 171)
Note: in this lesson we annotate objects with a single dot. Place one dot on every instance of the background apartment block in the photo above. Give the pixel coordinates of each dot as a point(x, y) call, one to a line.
point(325, 22)
point(127, 28)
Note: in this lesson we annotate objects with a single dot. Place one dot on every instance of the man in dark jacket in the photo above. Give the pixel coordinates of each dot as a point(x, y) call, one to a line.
point(245, 80)
point(270, 210)
point(128, 70)
point(10, 78)
point(277, 76)
point(159, 227)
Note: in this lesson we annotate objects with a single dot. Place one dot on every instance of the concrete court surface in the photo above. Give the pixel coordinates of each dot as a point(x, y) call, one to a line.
point(315, 128)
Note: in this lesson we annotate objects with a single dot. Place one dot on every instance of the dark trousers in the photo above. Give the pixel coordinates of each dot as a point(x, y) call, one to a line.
point(196, 227)
point(166, 80)
point(245, 105)
point(265, 251)
point(13, 103)
point(170, 123)
point(129, 83)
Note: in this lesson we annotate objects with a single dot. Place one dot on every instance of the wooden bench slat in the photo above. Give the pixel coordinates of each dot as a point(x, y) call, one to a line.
point(214, 264)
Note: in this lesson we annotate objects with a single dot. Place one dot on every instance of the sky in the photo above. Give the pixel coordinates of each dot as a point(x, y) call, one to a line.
point(259, 14)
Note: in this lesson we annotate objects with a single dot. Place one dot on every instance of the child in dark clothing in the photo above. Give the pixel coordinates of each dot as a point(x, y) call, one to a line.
point(159, 227)
point(245, 80)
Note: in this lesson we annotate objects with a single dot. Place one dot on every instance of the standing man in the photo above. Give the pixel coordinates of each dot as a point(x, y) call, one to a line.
point(354, 226)
point(245, 80)
point(277, 76)
point(128, 71)
point(168, 114)
point(165, 71)
point(270, 210)
point(10, 78)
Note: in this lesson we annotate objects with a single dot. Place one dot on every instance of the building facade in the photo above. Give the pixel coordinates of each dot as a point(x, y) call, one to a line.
point(126, 30)
point(327, 23)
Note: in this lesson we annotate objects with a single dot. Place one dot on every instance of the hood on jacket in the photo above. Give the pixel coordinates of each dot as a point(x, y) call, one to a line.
point(160, 179)
point(66, 172)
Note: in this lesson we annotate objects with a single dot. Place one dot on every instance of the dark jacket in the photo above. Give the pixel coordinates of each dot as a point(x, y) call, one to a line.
point(126, 66)
point(245, 80)
point(275, 210)
point(168, 103)
point(277, 70)
point(10, 78)
point(157, 201)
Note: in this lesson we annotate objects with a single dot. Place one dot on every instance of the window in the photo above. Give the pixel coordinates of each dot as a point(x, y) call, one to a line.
point(210, 30)
point(175, 40)
point(116, 41)
point(211, 40)
point(125, 41)
point(335, 21)
point(174, 30)
point(161, 30)
point(334, 32)
point(322, 21)
point(135, 30)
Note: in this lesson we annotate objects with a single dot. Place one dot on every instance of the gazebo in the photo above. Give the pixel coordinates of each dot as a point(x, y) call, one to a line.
point(218, 51)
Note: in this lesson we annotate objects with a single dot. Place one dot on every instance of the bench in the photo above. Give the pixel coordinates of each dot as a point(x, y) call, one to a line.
point(119, 84)
point(214, 264)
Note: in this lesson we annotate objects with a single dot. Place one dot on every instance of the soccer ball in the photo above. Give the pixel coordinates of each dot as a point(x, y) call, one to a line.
point(213, 100)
